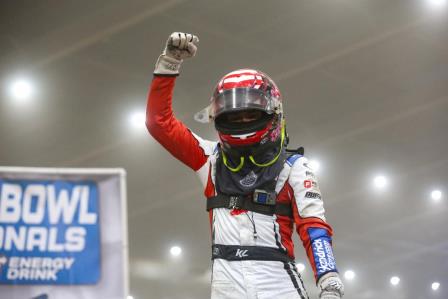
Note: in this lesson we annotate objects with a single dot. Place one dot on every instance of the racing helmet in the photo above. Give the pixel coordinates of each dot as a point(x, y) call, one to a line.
point(245, 90)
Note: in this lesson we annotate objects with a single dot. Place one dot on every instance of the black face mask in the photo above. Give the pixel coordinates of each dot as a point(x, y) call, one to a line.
point(262, 154)
point(236, 128)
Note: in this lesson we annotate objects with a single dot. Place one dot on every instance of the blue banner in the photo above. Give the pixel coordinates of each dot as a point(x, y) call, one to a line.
point(49, 232)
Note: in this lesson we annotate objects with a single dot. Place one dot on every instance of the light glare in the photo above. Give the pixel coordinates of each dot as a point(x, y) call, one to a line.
point(394, 280)
point(436, 195)
point(130, 297)
point(300, 267)
point(380, 182)
point(138, 120)
point(21, 89)
point(437, 3)
point(175, 251)
point(314, 165)
point(349, 275)
point(435, 286)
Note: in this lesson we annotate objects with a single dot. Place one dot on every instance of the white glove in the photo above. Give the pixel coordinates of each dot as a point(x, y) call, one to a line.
point(178, 46)
point(331, 286)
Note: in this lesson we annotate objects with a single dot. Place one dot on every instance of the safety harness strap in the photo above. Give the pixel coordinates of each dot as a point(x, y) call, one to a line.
point(246, 203)
point(261, 201)
point(241, 253)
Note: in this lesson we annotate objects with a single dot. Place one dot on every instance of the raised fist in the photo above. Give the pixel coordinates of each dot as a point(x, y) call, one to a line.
point(181, 45)
point(178, 47)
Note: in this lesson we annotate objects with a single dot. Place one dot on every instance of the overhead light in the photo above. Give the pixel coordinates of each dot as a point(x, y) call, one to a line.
point(175, 251)
point(436, 195)
point(314, 165)
point(394, 280)
point(437, 3)
point(21, 89)
point(349, 275)
point(130, 297)
point(380, 182)
point(138, 120)
point(300, 267)
point(435, 286)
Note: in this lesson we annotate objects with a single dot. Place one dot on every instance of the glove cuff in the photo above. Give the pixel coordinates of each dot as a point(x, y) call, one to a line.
point(167, 65)
point(330, 286)
point(329, 295)
point(327, 275)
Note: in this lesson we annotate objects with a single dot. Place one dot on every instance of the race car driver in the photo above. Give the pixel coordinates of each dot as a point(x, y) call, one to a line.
point(255, 189)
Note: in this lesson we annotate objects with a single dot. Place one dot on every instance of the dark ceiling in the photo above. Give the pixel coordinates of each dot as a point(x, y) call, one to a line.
point(365, 86)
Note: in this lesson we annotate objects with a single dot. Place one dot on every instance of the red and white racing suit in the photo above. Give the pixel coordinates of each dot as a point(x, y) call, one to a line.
point(296, 185)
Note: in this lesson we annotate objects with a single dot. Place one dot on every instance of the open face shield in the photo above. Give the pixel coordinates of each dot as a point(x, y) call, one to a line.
point(236, 99)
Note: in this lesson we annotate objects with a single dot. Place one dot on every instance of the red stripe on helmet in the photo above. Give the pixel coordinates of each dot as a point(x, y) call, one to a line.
point(241, 78)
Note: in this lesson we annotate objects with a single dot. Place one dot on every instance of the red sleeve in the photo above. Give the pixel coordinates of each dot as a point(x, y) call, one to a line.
point(303, 225)
point(171, 133)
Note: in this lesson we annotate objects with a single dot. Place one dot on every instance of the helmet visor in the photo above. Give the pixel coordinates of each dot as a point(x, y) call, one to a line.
point(238, 99)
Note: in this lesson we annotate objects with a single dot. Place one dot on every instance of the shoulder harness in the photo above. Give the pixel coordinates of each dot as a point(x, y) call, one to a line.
point(260, 201)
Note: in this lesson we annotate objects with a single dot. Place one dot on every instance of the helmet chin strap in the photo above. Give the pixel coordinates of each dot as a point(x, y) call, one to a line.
point(251, 158)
